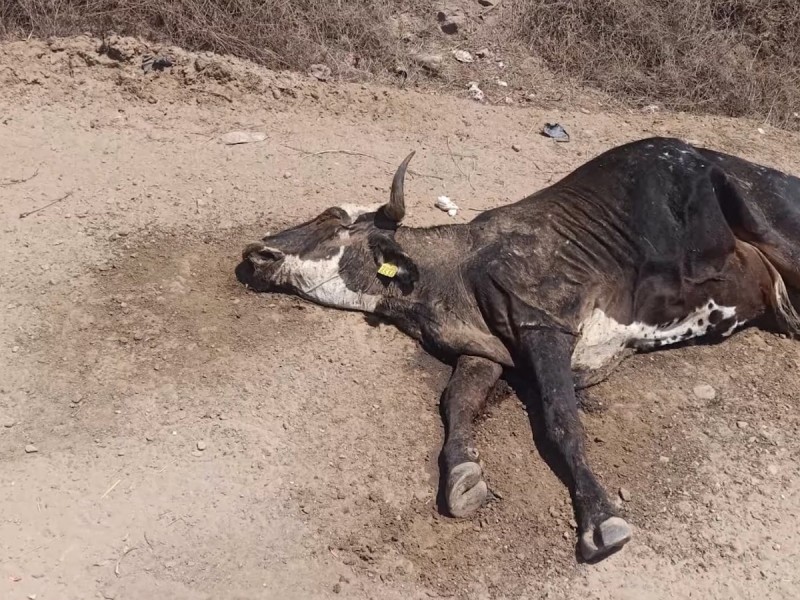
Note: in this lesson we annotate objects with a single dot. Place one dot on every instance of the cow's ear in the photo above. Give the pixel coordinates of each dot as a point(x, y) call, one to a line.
point(392, 263)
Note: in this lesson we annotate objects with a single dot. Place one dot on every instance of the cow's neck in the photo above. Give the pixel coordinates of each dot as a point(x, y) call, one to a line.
point(438, 253)
point(434, 248)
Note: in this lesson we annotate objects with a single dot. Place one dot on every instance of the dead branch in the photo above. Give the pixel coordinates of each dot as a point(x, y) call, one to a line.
point(41, 208)
point(455, 162)
point(352, 153)
point(212, 93)
point(16, 181)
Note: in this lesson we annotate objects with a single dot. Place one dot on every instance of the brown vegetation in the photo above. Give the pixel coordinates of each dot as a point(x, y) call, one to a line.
point(733, 57)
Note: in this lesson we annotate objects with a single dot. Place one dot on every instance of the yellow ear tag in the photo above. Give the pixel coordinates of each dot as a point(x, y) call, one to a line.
point(387, 270)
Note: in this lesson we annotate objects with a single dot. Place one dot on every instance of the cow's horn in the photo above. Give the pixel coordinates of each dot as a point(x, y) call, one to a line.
point(396, 208)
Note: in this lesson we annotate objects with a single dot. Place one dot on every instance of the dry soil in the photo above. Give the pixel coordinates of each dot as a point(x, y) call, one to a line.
point(167, 434)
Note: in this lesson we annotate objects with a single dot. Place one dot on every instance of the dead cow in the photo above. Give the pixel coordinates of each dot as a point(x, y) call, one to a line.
point(649, 244)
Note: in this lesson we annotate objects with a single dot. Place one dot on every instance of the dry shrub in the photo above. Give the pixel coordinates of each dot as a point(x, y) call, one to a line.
point(281, 34)
point(733, 57)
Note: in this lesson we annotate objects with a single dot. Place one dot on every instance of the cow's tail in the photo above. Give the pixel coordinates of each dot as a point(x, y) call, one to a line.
point(782, 305)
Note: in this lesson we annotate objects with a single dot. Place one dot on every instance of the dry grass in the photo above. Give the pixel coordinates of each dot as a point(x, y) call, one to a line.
point(351, 35)
point(733, 57)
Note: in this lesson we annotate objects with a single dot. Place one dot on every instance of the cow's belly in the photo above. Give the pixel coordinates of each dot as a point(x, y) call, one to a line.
point(602, 339)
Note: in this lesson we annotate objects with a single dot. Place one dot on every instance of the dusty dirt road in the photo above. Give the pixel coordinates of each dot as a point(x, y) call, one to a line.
point(193, 440)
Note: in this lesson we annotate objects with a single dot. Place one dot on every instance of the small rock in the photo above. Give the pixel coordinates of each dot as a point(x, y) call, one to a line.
point(487, 2)
point(573, 523)
point(429, 62)
point(515, 148)
point(761, 130)
point(138, 336)
point(15, 349)
point(742, 424)
point(9, 422)
point(463, 56)
point(287, 175)
point(772, 470)
point(201, 445)
point(475, 92)
point(337, 588)
point(320, 72)
point(483, 53)
point(567, 535)
point(450, 21)
point(276, 93)
point(625, 494)
point(30, 449)
point(149, 437)
point(663, 459)
point(704, 392)
point(502, 83)
point(554, 512)
point(242, 137)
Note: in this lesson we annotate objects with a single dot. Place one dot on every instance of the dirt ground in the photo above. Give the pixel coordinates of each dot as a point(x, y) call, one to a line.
point(167, 434)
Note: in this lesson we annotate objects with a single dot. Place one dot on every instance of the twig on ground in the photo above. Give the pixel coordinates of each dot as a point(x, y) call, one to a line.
point(125, 552)
point(352, 153)
point(109, 490)
point(16, 181)
point(41, 208)
point(212, 93)
point(455, 162)
point(348, 152)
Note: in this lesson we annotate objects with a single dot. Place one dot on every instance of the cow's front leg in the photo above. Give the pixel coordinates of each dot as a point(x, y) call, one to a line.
point(464, 397)
point(548, 352)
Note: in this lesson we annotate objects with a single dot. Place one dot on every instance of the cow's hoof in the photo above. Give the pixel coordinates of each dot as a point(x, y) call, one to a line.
point(466, 489)
point(612, 534)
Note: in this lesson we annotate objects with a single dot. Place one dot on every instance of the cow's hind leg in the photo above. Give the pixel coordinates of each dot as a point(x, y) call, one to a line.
point(548, 353)
point(464, 397)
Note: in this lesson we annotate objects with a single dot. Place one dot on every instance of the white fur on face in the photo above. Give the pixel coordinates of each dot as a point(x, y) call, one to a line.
point(602, 338)
point(320, 281)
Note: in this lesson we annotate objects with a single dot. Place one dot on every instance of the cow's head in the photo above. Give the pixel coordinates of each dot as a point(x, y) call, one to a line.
point(334, 258)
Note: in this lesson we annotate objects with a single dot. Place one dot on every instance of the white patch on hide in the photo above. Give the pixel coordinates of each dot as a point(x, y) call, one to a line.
point(602, 338)
point(355, 211)
point(320, 281)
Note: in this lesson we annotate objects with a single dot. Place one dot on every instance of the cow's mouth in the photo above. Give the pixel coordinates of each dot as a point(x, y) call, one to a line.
point(253, 278)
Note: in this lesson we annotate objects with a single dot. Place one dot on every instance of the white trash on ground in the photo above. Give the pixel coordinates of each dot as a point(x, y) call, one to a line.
point(444, 203)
